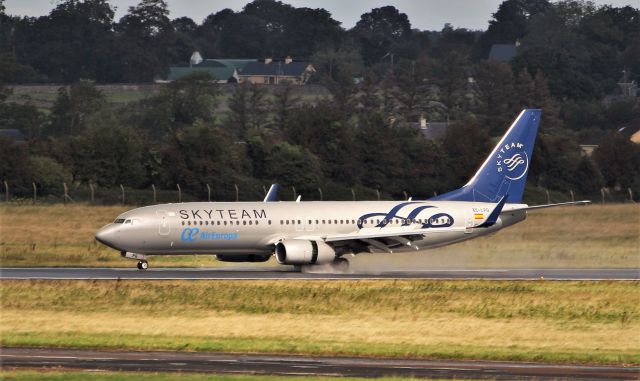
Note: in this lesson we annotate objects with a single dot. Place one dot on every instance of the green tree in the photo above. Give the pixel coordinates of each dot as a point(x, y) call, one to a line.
point(619, 159)
point(48, 174)
point(108, 156)
point(289, 164)
point(73, 107)
point(199, 154)
point(145, 35)
point(73, 42)
point(380, 31)
point(465, 144)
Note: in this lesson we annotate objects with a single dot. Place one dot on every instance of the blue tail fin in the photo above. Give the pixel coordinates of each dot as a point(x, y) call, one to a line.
point(505, 170)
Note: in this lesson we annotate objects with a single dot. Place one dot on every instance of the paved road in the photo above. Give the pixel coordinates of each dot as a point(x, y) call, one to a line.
point(301, 365)
point(271, 273)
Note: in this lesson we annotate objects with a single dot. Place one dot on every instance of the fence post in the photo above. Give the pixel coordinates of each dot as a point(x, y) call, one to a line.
point(548, 197)
point(264, 191)
point(237, 192)
point(602, 193)
point(320, 191)
point(406, 196)
point(66, 193)
point(208, 193)
point(92, 193)
point(573, 199)
point(153, 187)
point(630, 194)
point(378, 194)
point(435, 194)
point(179, 193)
point(122, 189)
point(6, 191)
point(353, 195)
point(35, 193)
point(295, 195)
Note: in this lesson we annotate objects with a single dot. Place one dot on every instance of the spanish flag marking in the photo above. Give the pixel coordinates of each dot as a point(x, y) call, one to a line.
point(479, 216)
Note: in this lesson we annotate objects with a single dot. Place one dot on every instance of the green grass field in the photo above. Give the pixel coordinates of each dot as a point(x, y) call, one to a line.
point(586, 237)
point(592, 322)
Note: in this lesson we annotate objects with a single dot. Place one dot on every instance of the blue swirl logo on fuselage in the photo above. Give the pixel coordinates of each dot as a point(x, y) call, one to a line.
point(438, 220)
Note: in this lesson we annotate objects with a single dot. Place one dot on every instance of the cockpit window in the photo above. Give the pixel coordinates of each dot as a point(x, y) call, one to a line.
point(127, 221)
point(118, 221)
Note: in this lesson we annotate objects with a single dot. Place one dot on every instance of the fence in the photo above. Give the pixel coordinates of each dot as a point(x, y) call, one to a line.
point(93, 194)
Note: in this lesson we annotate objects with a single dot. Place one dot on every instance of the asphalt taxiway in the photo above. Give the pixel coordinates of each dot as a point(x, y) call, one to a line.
point(256, 273)
point(301, 365)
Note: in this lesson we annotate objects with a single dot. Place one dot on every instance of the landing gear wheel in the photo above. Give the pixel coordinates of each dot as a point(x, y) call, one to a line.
point(340, 265)
point(143, 265)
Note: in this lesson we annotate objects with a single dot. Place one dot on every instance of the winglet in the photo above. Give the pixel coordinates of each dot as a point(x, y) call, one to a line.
point(493, 217)
point(272, 195)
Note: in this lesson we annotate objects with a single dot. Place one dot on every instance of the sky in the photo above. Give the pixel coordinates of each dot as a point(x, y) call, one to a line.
point(423, 14)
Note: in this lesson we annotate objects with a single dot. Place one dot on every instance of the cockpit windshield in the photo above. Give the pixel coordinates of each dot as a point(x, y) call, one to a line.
point(118, 221)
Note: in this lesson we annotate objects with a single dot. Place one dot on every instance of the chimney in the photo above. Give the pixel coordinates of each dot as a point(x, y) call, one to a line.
point(268, 60)
point(288, 60)
point(423, 122)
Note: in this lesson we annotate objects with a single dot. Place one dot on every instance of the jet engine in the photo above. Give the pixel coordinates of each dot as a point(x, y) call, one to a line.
point(243, 258)
point(301, 252)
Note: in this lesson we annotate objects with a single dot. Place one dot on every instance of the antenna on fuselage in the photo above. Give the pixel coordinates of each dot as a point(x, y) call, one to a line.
point(299, 198)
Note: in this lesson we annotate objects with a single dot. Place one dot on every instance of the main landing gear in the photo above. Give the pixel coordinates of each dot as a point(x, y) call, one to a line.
point(142, 260)
point(340, 265)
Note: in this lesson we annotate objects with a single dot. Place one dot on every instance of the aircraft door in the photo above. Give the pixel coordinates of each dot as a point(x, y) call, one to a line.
point(164, 225)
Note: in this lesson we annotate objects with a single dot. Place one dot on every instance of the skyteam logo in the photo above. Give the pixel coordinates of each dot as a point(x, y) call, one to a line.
point(512, 161)
point(194, 234)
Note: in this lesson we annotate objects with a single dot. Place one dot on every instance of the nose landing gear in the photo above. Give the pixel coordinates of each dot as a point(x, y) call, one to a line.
point(142, 260)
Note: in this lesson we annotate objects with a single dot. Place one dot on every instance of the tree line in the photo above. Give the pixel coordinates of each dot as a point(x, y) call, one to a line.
point(381, 76)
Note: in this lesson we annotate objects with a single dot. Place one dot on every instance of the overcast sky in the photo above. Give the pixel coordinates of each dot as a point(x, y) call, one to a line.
point(423, 14)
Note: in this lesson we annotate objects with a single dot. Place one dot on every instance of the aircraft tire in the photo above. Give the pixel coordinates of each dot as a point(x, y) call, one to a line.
point(340, 265)
point(143, 265)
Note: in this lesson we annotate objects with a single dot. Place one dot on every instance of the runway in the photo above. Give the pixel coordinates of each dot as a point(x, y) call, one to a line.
point(301, 365)
point(247, 273)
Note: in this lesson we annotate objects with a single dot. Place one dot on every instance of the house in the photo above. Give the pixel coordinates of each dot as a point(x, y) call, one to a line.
point(274, 72)
point(503, 52)
point(222, 72)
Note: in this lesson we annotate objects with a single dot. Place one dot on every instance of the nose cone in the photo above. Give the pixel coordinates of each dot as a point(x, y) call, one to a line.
point(106, 236)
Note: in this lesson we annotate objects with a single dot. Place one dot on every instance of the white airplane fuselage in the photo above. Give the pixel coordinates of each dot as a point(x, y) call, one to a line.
point(244, 228)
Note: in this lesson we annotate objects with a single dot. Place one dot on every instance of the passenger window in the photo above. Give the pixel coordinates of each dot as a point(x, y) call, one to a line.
point(237, 222)
point(189, 223)
point(287, 222)
point(299, 222)
point(244, 222)
point(225, 223)
point(310, 222)
point(182, 223)
point(218, 223)
point(324, 222)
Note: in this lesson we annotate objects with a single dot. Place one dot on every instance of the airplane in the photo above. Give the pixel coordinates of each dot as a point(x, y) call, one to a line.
point(319, 233)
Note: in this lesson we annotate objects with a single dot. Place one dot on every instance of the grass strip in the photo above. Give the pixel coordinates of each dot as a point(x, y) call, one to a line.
point(593, 322)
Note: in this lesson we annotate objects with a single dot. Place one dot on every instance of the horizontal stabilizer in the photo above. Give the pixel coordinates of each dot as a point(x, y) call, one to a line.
point(585, 202)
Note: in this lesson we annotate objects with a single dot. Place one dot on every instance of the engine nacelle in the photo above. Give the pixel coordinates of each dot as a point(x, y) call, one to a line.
point(301, 252)
point(243, 258)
